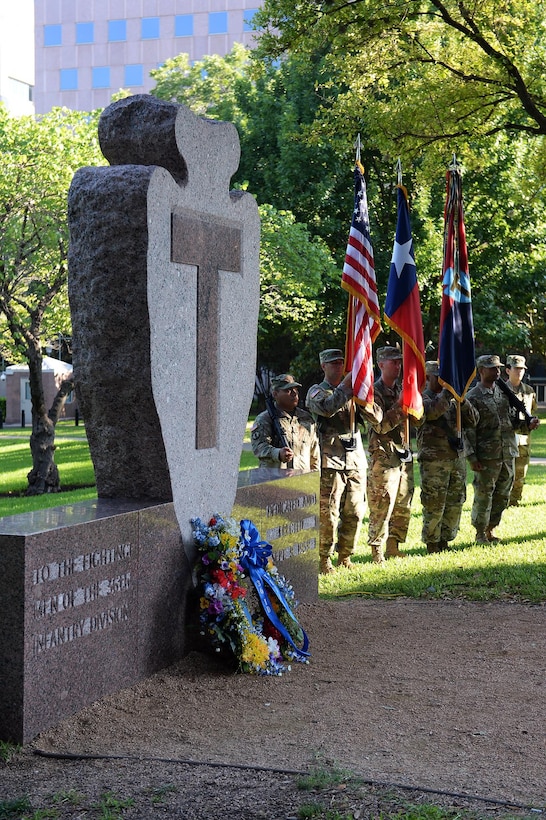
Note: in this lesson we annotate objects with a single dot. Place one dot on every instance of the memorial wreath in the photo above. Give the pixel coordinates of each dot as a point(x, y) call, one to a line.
point(246, 605)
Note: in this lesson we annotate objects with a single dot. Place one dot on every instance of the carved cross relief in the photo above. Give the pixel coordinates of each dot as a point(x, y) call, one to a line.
point(210, 247)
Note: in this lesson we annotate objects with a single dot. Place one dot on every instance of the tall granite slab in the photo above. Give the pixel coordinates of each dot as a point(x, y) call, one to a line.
point(164, 294)
point(92, 599)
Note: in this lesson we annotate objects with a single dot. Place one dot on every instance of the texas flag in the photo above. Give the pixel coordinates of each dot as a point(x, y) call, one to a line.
point(403, 310)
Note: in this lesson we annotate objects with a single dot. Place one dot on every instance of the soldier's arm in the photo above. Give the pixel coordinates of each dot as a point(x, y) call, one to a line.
point(437, 406)
point(261, 438)
point(315, 450)
point(323, 403)
point(389, 419)
point(470, 442)
point(470, 415)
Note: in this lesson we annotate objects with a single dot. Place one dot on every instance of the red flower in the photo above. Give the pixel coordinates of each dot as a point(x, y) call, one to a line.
point(219, 576)
point(271, 631)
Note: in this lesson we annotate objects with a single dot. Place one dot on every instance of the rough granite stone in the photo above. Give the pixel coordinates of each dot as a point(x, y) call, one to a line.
point(164, 292)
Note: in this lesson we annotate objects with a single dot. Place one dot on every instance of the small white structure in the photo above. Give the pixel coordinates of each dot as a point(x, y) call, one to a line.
point(18, 400)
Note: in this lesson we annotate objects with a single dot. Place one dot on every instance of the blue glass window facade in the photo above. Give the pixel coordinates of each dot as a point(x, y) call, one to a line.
point(134, 75)
point(183, 25)
point(248, 14)
point(117, 31)
point(101, 77)
point(69, 79)
point(218, 22)
point(85, 33)
point(150, 28)
point(53, 35)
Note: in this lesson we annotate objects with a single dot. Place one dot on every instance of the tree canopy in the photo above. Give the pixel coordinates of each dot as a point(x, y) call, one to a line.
point(424, 71)
point(297, 120)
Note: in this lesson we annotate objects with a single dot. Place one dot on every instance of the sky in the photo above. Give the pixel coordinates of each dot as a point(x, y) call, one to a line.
point(17, 39)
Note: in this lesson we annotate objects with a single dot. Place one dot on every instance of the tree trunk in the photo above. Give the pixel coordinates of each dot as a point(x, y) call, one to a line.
point(44, 476)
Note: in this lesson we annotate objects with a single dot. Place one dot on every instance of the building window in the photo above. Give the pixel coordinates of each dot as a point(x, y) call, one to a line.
point(85, 33)
point(69, 79)
point(134, 75)
point(218, 22)
point(117, 31)
point(248, 14)
point(53, 35)
point(183, 25)
point(28, 394)
point(101, 77)
point(150, 28)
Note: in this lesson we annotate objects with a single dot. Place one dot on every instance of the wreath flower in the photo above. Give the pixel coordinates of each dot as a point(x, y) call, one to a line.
point(246, 606)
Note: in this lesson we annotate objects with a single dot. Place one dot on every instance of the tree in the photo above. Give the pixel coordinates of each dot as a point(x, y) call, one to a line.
point(297, 122)
point(429, 71)
point(38, 158)
point(296, 273)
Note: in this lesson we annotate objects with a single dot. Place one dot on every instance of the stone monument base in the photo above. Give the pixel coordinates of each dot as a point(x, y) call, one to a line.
point(94, 596)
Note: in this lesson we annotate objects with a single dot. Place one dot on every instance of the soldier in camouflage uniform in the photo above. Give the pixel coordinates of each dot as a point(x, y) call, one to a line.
point(297, 425)
point(343, 471)
point(491, 448)
point(515, 370)
point(390, 476)
point(441, 462)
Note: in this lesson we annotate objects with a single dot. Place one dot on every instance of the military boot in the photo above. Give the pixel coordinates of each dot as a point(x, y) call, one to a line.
point(392, 550)
point(491, 537)
point(326, 567)
point(345, 561)
point(377, 554)
point(481, 537)
point(435, 547)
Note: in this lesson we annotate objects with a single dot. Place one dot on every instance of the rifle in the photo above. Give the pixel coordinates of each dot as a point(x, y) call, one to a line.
point(272, 410)
point(514, 402)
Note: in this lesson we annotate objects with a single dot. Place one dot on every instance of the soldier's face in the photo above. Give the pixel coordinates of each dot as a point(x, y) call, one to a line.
point(333, 371)
point(489, 375)
point(390, 369)
point(287, 399)
point(515, 374)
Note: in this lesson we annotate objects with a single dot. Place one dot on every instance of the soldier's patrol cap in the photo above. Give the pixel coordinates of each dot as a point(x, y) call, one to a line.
point(432, 368)
point(488, 361)
point(284, 382)
point(388, 353)
point(515, 361)
point(332, 354)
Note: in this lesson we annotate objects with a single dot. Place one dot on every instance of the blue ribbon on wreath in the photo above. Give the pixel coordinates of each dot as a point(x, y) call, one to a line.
point(254, 557)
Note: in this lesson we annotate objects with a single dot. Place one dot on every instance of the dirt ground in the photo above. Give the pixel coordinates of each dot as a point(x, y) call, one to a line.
point(441, 702)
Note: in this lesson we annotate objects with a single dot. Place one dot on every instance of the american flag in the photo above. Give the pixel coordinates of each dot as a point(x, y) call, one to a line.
point(456, 346)
point(358, 278)
point(403, 310)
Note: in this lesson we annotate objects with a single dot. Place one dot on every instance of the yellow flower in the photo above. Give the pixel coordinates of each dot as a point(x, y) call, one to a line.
point(204, 603)
point(255, 650)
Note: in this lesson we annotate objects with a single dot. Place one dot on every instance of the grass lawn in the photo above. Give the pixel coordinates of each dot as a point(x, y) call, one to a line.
point(73, 460)
point(514, 570)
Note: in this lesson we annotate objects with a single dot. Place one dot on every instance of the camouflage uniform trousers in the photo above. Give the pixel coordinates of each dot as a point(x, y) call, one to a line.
point(390, 491)
point(342, 505)
point(521, 465)
point(443, 493)
point(492, 487)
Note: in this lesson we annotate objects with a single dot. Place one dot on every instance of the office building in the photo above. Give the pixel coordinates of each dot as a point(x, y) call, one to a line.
point(86, 50)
